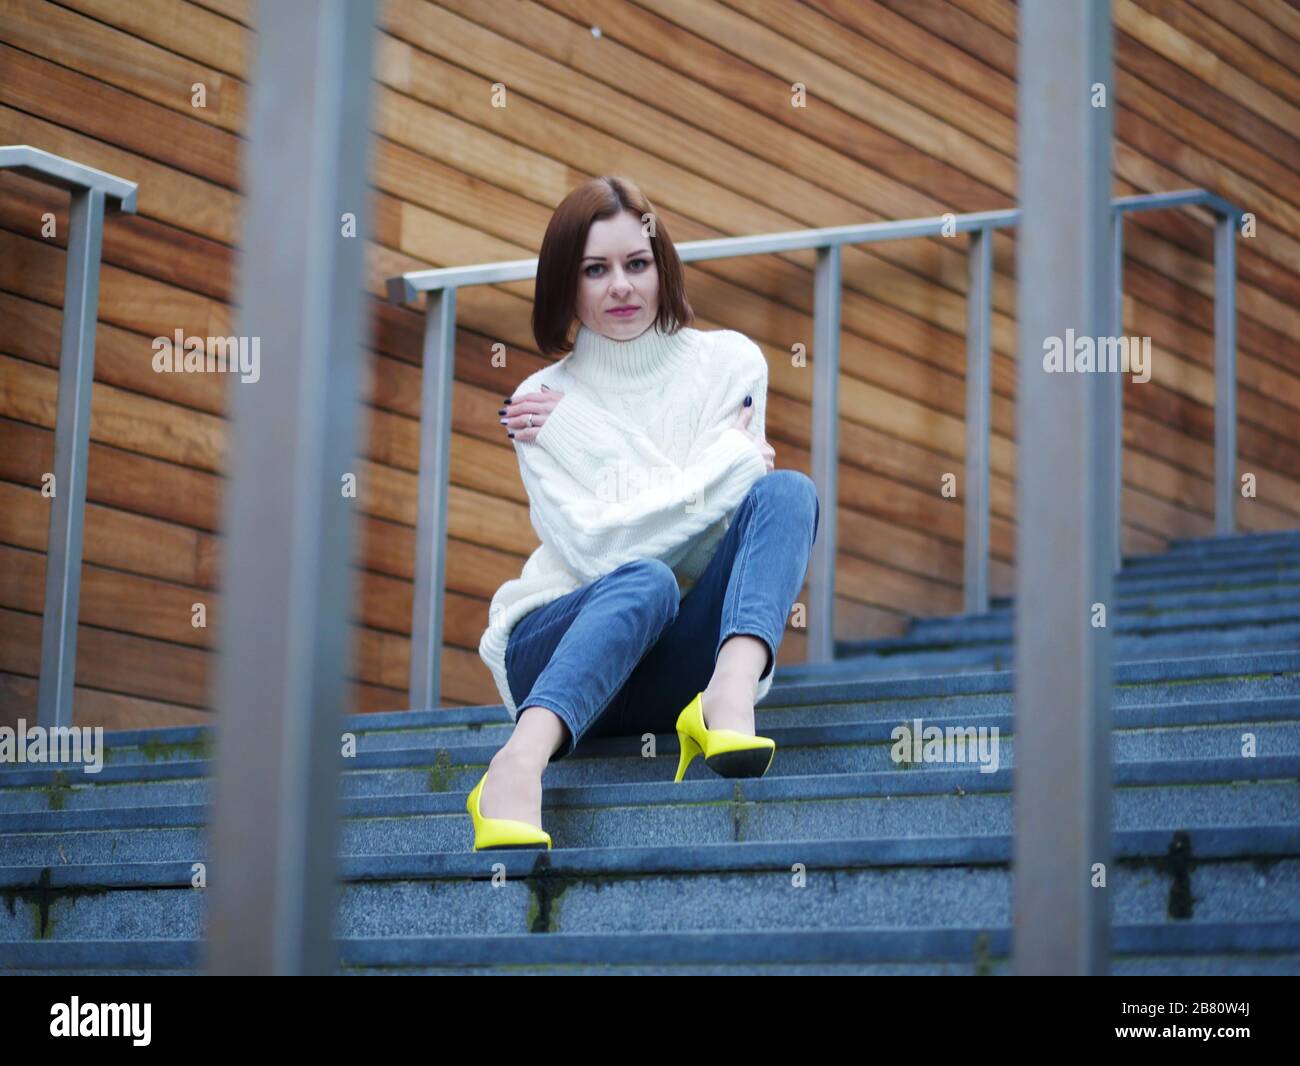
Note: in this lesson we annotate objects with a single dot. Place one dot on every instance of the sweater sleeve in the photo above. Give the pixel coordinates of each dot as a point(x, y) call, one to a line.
point(623, 515)
point(601, 495)
point(583, 439)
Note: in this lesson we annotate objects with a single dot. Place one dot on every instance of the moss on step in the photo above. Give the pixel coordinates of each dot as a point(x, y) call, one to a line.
point(56, 792)
point(440, 777)
point(41, 901)
point(193, 750)
point(545, 889)
point(1224, 679)
point(1264, 863)
point(740, 812)
point(1178, 864)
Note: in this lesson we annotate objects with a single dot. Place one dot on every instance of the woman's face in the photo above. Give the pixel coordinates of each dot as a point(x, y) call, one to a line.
point(618, 270)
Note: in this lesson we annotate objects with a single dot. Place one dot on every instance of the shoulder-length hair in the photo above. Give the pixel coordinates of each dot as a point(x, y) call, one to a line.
point(556, 291)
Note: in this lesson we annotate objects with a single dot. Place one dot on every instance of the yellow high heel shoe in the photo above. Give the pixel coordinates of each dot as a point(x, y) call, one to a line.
point(726, 752)
point(501, 833)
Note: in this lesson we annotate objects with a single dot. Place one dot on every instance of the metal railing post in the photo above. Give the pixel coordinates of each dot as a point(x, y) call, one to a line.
point(71, 453)
point(1225, 374)
point(287, 561)
point(1064, 571)
point(825, 451)
point(979, 378)
point(93, 192)
point(1115, 402)
point(436, 388)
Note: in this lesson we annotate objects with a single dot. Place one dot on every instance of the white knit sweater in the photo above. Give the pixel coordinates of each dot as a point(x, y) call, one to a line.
point(638, 460)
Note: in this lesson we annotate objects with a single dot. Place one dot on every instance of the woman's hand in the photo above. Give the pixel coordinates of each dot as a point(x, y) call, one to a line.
point(764, 449)
point(514, 416)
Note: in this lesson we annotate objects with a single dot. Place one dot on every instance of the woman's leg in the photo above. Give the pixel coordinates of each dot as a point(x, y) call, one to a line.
point(731, 691)
point(730, 624)
point(566, 662)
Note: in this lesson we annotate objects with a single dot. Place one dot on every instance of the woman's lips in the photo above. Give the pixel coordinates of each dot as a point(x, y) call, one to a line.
point(625, 312)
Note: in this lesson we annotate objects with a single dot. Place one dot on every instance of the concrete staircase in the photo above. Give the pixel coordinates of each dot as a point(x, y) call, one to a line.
point(839, 861)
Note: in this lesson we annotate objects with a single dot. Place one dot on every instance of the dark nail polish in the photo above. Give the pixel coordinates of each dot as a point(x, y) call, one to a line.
point(748, 400)
point(502, 411)
point(511, 434)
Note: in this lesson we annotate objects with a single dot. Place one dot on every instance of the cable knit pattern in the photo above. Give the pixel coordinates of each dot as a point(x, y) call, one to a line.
point(638, 460)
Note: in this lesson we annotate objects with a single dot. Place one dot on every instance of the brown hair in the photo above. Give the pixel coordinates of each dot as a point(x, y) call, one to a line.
point(556, 290)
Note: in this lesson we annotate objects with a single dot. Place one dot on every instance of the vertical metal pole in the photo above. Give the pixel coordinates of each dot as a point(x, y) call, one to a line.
point(1225, 375)
point(825, 452)
point(1115, 402)
point(1065, 555)
point(284, 635)
point(435, 475)
point(979, 359)
point(71, 450)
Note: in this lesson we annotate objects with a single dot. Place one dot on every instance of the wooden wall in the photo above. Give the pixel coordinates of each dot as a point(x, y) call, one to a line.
point(910, 111)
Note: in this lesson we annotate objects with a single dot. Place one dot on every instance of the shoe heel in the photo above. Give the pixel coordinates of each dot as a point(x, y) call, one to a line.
point(689, 750)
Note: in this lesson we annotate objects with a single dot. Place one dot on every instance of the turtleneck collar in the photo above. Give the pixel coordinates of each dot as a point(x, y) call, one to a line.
point(605, 363)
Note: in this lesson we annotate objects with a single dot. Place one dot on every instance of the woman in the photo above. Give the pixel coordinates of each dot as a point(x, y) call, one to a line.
point(670, 552)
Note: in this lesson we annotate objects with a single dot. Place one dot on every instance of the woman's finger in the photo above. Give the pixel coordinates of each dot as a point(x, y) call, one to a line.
point(520, 430)
point(515, 415)
point(550, 396)
point(522, 407)
point(515, 418)
point(527, 434)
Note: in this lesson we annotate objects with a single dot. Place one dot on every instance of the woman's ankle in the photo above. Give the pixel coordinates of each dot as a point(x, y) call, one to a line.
point(732, 687)
point(521, 756)
point(539, 733)
point(729, 704)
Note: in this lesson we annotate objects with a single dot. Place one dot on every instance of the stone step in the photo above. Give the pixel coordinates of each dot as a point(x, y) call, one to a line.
point(715, 812)
point(1208, 578)
point(1256, 699)
point(1226, 567)
point(1235, 544)
point(801, 750)
point(1200, 874)
point(858, 660)
point(822, 677)
point(1160, 949)
point(1168, 605)
point(802, 690)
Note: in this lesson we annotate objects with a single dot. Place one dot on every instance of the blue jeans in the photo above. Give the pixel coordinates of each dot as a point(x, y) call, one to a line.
point(624, 654)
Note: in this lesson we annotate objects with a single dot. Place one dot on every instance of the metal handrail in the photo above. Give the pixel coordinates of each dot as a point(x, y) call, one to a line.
point(439, 350)
point(93, 192)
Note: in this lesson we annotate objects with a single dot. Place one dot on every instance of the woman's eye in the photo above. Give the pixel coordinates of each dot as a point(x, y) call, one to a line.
point(599, 266)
